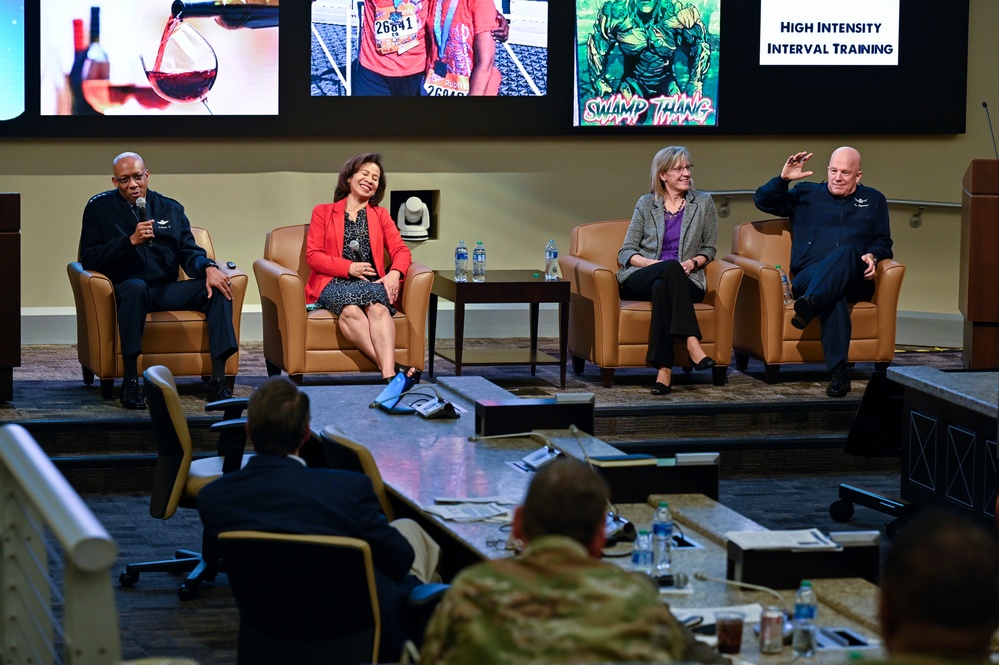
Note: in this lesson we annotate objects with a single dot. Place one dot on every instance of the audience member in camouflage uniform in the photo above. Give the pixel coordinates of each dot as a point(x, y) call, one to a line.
point(940, 591)
point(557, 602)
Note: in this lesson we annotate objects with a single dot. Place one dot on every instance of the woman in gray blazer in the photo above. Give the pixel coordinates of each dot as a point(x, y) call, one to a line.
point(670, 239)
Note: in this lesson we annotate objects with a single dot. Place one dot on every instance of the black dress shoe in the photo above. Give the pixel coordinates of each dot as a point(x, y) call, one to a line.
point(839, 386)
point(661, 389)
point(707, 362)
point(218, 389)
point(131, 395)
point(806, 308)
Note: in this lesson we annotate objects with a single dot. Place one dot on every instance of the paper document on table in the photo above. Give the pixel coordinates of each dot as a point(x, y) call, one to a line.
point(801, 539)
point(467, 512)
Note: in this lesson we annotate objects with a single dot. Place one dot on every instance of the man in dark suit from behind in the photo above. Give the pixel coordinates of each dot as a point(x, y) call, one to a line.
point(275, 491)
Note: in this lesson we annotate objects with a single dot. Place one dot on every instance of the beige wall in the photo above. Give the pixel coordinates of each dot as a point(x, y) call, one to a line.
point(513, 194)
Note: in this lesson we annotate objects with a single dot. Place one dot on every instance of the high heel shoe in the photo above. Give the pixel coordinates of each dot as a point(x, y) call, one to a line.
point(707, 362)
point(661, 389)
point(410, 372)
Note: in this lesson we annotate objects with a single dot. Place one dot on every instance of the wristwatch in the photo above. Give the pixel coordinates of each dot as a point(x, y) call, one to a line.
point(211, 264)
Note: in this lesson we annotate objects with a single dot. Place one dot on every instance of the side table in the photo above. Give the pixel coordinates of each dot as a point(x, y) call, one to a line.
point(501, 286)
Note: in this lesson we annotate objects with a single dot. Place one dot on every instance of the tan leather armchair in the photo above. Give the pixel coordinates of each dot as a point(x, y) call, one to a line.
point(303, 342)
point(612, 332)
point(763, 327)
point(176, 339)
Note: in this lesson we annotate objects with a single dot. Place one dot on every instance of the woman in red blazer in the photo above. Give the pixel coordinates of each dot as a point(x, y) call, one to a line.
point(346, 252)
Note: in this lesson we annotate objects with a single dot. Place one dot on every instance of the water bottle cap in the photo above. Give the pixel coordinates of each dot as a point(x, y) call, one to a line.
point(664, 504)
point(643, 532)
point(806, 583)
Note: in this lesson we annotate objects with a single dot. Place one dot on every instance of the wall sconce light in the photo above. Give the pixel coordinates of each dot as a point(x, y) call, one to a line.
point(917, 219)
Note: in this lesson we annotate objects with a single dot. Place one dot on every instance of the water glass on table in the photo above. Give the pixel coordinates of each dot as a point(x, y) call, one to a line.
point(728, 627)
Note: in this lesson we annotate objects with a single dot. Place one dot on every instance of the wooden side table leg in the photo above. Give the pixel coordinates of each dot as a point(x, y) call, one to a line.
point(534, 338)
point(563, 339)
point(459, 335)
point(431, 332)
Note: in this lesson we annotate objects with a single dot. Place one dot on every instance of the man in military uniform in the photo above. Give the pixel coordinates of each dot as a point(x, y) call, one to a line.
point(557, 602)
point(142, 259)
point(648, 33)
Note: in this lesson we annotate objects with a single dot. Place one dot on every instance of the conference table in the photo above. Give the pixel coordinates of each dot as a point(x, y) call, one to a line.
point(422, 461)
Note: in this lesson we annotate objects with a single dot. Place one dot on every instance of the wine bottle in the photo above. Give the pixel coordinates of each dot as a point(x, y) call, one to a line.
point(80, 105)
point(96, 68)
point(231, 14)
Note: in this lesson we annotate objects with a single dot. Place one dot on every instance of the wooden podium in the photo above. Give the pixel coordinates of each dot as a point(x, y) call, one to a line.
point(10, 292)
point(979, 291)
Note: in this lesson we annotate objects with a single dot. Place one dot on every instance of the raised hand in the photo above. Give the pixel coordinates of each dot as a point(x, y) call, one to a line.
point(792, 167)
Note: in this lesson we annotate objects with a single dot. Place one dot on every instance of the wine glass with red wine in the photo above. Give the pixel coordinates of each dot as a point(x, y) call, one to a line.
point(183, 67)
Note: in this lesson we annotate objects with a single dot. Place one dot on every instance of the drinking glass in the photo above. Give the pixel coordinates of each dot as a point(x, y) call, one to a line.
point(183, 67)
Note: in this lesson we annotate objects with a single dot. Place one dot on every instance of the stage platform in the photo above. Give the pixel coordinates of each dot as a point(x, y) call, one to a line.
point(754, 423)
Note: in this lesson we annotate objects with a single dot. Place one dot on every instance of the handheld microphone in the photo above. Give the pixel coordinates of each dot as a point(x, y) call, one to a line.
point(989, 116)
point(140, 203)
point(355, 250)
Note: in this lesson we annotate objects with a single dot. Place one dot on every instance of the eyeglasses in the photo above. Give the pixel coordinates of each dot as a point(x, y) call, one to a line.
point(689, 168)
point(125, 179)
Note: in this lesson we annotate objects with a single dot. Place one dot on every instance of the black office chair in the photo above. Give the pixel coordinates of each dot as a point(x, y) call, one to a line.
point(322, 609)
point(178, 478)
point(346, 454)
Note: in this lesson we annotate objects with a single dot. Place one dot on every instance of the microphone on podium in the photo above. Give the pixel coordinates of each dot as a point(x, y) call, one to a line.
point(992, 133)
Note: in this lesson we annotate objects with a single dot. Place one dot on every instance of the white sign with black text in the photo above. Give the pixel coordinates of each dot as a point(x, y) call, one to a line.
point(827, 32)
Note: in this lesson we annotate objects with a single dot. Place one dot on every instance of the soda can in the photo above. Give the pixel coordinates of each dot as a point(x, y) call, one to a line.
point(772, 630)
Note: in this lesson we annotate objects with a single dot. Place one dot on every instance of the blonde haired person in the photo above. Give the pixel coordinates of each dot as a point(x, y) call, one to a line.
point(670, 239)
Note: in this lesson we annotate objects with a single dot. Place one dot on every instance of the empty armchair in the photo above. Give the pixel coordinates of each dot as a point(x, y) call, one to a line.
point(611, 332)
point(176, 339)
point(299, 341)
point(763, 327)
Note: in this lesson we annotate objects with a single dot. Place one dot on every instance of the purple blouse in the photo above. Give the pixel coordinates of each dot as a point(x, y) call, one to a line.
point(671, 237)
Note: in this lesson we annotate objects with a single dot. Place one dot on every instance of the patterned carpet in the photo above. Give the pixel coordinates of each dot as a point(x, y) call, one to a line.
point(49, 384)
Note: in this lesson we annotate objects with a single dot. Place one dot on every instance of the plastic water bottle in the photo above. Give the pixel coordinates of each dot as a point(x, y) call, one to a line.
point(641, 553)
point(461, 262)
point(551, 262)
point(479, 263)
point(785, 284)
point(805, 612)
point(662, 539)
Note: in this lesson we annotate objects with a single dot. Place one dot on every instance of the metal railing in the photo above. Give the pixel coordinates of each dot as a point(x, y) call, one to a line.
point(56, 603)
point(726, 195)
